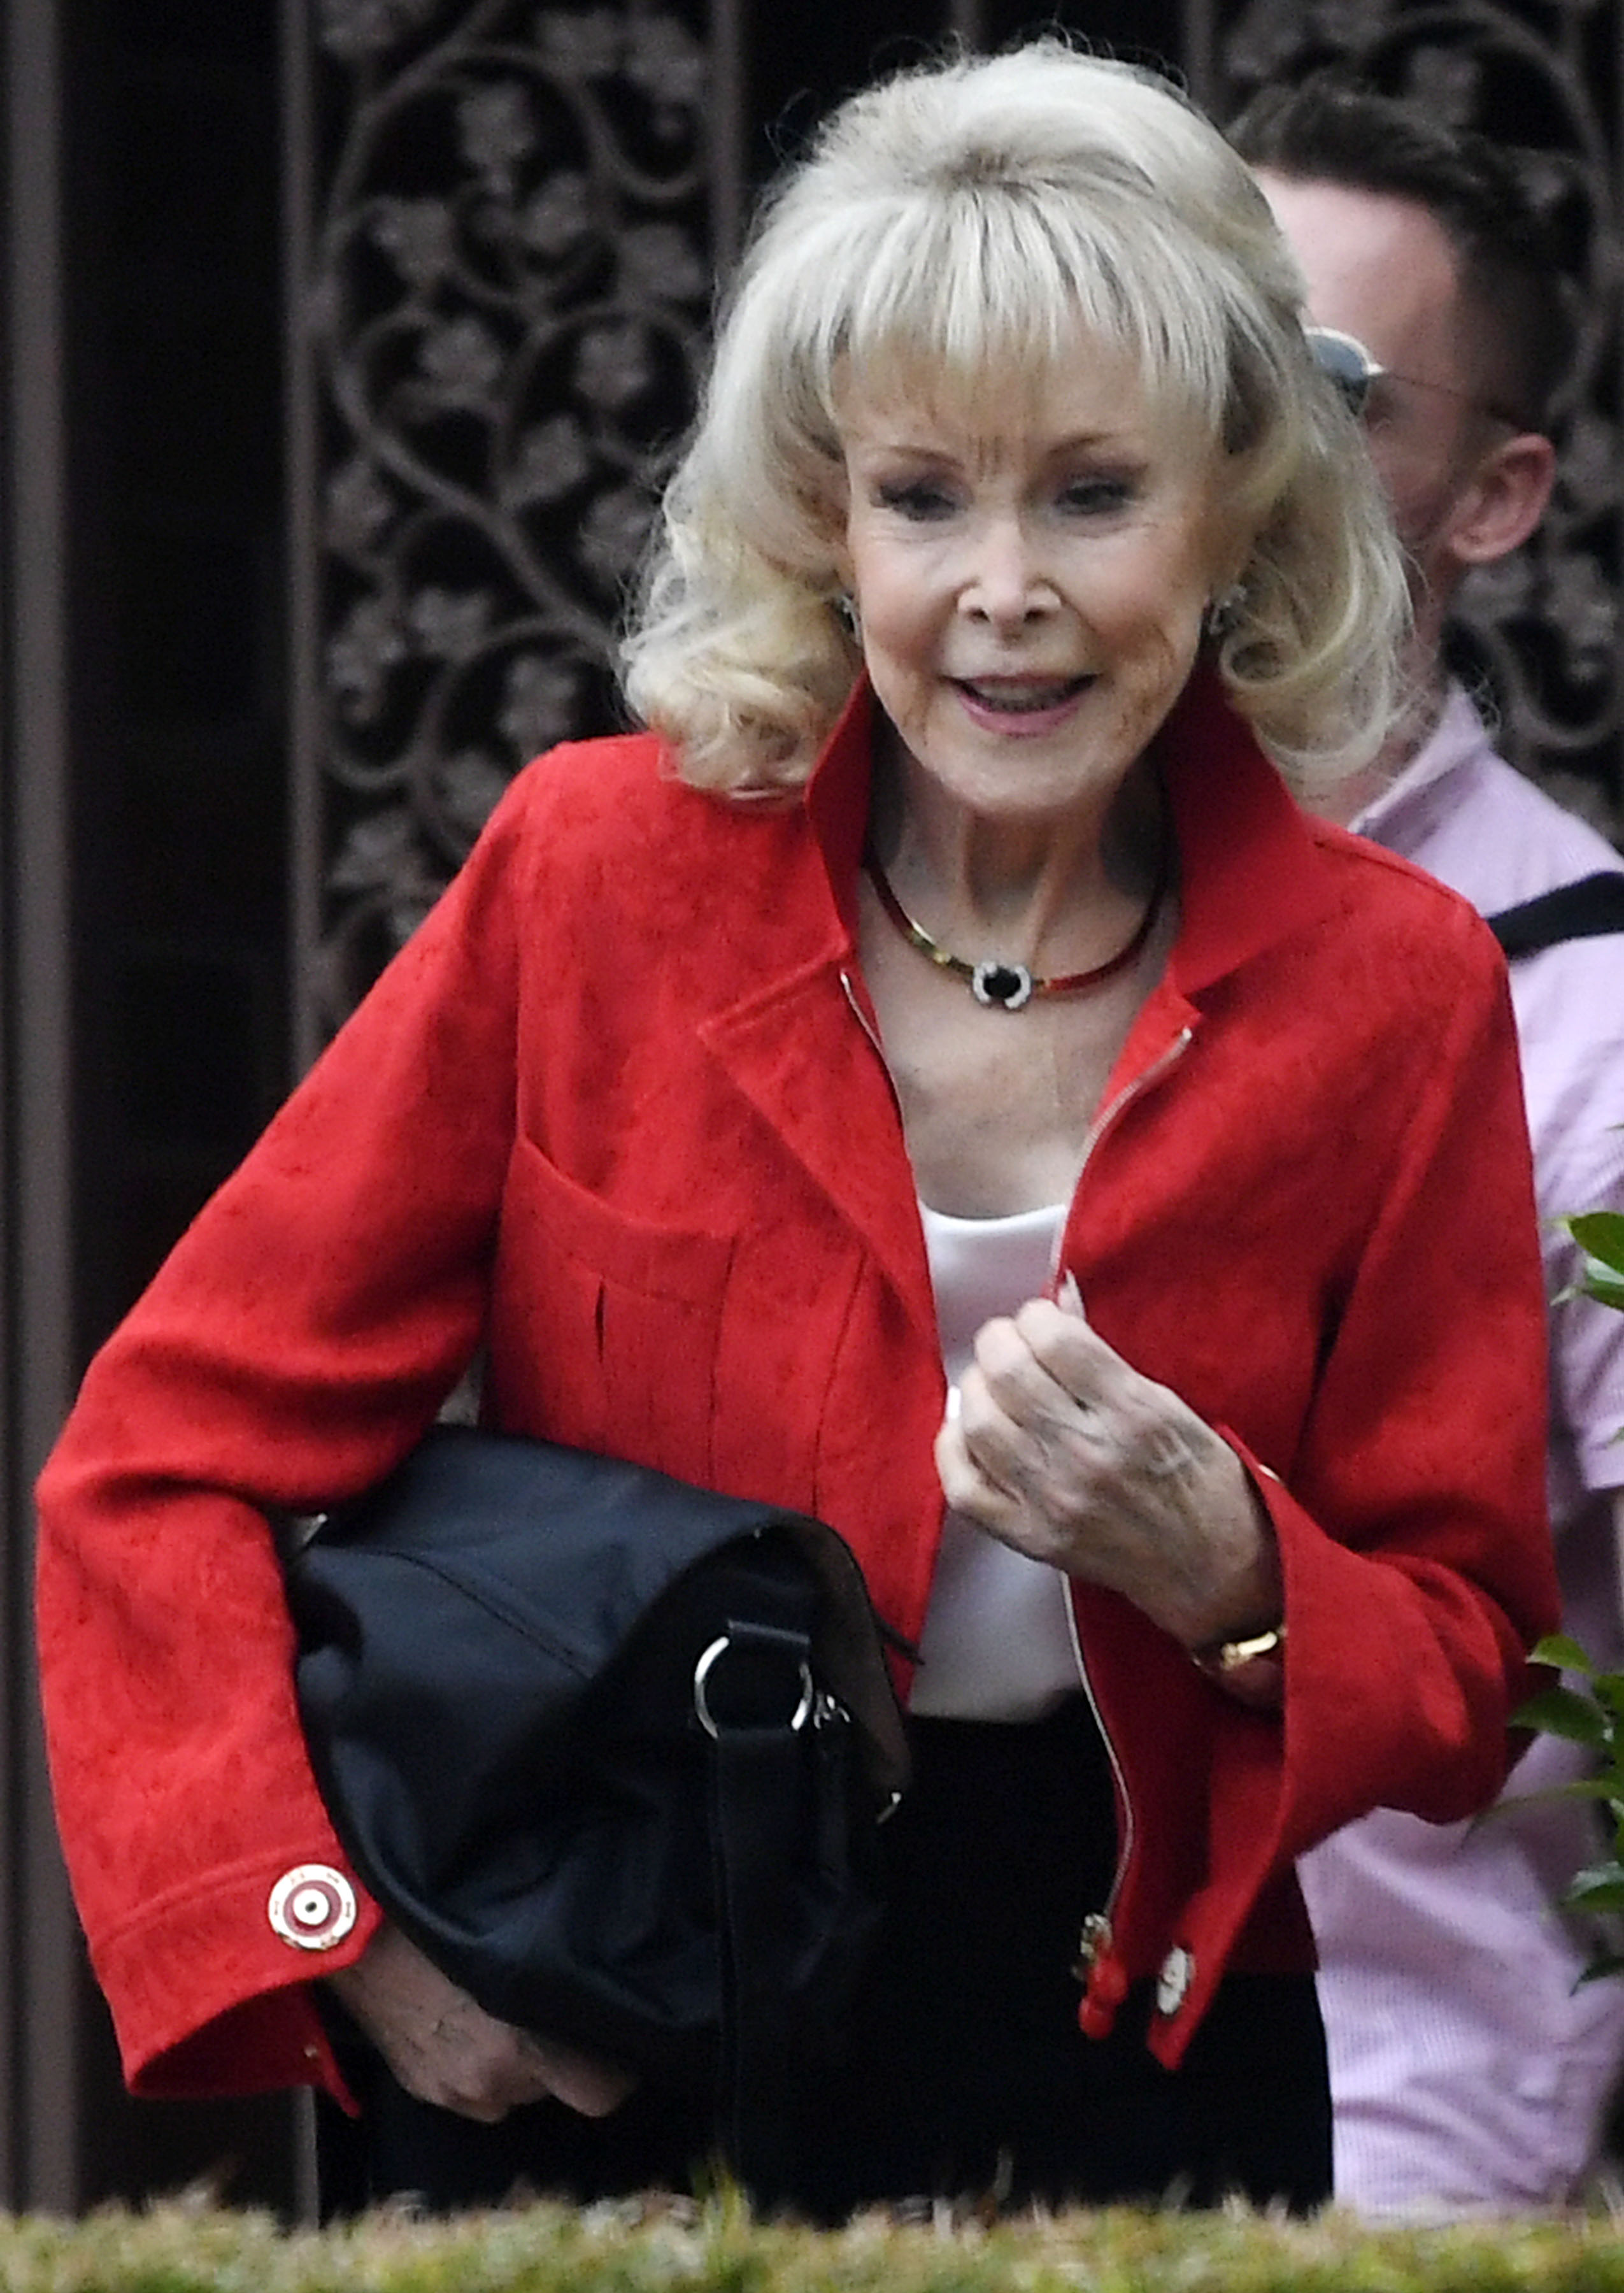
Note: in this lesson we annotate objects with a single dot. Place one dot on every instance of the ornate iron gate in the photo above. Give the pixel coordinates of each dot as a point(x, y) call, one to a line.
point(510, 214)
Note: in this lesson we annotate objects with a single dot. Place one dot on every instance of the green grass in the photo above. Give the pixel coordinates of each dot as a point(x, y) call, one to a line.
point(662, 2247)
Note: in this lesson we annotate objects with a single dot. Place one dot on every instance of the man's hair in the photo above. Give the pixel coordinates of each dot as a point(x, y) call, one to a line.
point(949, 236)
point(1331, 129)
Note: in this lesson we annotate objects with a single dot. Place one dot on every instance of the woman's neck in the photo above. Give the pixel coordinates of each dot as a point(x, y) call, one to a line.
point(1050, 891)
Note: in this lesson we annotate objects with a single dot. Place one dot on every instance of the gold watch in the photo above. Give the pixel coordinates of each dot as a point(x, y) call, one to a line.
point(1220, 1657)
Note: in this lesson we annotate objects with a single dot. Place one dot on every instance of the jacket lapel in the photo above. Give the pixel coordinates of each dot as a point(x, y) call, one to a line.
point(801, 1046)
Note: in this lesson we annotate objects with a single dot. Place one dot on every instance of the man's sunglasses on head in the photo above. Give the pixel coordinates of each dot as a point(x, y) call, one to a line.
point(1344, 362)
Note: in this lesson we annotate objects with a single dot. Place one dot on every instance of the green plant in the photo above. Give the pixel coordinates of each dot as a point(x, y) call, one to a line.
point(1600, 1236)
point(1592, 1715)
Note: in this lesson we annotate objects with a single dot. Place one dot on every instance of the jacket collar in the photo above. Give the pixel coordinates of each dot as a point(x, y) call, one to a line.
point(1251, 871)
point(1250, 867)
point(837, 801)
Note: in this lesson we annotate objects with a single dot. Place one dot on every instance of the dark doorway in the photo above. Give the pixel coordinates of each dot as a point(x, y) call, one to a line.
point(177, 764)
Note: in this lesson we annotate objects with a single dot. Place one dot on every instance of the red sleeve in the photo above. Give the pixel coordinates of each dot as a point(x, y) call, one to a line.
point(1415, 1548)
point(295, 1343)
point(1425, 1447)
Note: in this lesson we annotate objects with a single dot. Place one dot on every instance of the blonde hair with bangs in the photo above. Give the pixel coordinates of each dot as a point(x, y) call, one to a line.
point(964, 224)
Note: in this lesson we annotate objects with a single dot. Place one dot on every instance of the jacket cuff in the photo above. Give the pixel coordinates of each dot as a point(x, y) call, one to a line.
point(212, 1997)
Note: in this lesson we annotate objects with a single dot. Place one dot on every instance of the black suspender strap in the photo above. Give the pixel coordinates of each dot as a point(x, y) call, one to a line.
point(1585, 910)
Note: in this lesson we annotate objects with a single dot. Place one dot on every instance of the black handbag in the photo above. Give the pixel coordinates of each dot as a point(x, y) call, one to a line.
point(612, 1751)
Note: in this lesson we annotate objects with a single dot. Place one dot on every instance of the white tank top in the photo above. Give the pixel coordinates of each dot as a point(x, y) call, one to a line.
point(997, 1643)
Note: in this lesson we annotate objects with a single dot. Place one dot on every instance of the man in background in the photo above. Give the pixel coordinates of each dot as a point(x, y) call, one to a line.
point(1468, 2071)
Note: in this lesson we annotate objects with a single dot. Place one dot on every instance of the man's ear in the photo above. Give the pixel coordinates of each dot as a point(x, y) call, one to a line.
point(1504, 501)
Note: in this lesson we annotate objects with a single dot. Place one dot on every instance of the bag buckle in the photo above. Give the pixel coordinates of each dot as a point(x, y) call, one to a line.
point(759, 1637)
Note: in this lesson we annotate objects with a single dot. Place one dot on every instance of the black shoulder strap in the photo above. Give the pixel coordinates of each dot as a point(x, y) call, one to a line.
point(1585, 910)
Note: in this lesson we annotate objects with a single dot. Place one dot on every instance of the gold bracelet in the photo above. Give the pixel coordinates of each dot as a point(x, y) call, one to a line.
point(1219, 1657)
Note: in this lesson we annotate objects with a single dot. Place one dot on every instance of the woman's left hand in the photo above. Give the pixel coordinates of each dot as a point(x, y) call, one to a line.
point(1062, 1450)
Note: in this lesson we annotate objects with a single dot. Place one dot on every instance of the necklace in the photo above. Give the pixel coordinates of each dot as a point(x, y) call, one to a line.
point(1009, 986)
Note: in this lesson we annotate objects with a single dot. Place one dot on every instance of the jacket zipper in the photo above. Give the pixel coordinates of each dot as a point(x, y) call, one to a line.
point(861, 1017)
point(1097, 1965)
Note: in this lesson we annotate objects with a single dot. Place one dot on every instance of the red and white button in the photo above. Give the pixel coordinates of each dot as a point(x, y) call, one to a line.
point(311, 1907)
point(1173, 1983)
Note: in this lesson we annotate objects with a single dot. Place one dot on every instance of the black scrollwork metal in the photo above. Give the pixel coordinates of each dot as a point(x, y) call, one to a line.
point(505, 312)
point(506, 309)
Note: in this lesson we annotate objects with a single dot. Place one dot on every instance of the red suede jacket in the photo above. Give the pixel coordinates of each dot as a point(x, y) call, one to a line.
point(616, 1112)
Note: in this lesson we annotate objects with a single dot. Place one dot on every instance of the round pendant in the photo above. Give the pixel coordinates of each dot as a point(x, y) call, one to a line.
point(1009, 985)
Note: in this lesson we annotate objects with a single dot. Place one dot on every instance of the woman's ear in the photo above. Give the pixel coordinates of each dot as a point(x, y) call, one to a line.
point(1505, 500)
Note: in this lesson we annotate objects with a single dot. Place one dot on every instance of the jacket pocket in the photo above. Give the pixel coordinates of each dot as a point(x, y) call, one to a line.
point(605, 1326)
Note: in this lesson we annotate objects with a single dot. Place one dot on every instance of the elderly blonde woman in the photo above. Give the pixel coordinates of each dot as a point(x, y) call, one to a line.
point(937, 1078)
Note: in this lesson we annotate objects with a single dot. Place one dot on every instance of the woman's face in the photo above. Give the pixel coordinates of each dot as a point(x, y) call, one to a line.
point(1031, 575)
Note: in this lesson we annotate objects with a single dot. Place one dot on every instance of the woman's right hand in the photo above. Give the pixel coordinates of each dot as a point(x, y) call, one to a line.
point(445, 2049)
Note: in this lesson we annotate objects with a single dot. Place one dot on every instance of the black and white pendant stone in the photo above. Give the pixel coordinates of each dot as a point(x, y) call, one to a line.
point(1008, 985)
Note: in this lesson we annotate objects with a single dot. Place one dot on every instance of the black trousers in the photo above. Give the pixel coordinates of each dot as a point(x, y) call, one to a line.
point(966, 2074)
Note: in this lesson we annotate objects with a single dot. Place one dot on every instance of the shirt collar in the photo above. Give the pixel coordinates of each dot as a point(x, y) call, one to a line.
point(1456, 738)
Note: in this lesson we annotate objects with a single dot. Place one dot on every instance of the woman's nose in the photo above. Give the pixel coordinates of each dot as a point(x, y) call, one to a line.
point(1005, 583)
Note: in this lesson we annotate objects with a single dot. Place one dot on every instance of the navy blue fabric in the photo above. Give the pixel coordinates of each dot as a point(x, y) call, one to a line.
point(966, 2074)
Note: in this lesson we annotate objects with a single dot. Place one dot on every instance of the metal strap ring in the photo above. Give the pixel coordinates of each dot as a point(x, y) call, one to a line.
point(701, 1701)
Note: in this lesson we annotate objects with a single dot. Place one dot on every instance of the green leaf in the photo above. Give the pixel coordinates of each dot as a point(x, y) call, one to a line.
point(1600, 1887)
point(1562, 1712)
point(1600, 1234)
point(1613, 1963)
point(1558, 1648)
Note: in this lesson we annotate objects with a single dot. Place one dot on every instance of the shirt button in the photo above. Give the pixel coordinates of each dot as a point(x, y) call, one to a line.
point(1173, 1983)
point(311, 1907)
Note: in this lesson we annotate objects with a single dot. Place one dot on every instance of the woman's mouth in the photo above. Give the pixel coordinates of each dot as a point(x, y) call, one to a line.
point(1022, 703)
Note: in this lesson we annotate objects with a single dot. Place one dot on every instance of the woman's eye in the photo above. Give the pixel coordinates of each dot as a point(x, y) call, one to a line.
point(918, 499)
point(1097, 497)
